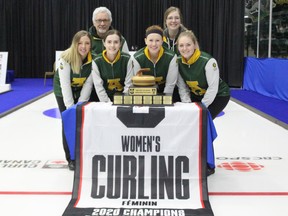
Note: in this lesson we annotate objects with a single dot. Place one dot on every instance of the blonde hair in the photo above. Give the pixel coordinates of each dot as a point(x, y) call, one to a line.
point(168, 11)
point(71, 54)
point(189, 34)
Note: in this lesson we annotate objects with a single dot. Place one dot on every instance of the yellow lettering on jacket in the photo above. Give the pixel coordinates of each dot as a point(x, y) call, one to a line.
point(114, 84)
point(194, 86)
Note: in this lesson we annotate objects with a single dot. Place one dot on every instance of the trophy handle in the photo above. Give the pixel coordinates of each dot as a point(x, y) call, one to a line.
point(140, 72)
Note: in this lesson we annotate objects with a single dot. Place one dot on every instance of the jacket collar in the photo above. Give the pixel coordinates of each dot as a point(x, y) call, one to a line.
point(104, 54)
point(193, 58)
point(161, 52)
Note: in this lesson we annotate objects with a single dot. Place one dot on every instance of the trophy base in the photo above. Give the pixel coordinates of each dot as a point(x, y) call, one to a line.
point(143, 100)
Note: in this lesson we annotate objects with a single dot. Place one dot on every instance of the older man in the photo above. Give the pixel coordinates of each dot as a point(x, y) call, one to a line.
point(102, 19)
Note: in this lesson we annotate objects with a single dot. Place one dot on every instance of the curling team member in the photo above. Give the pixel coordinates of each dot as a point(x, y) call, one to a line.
point(161, 61)
point(172, 27)
point(74, 67)
point(113, 71)
point(200, 74)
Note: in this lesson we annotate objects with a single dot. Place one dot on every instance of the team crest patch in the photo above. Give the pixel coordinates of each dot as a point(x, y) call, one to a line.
point(131, 91)
point(214, 66)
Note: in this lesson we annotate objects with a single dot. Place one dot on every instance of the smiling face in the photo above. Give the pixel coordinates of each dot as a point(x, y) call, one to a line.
point(154, 42)
point(186, 46)
point(102, 22)
point(173, 20)
point(84, 46)
point(112, 44)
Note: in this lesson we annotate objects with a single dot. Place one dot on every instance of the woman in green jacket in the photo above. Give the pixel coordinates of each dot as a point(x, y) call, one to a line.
point(113, 71)
point(161, 61)
point(74, 67)
point(199, 74)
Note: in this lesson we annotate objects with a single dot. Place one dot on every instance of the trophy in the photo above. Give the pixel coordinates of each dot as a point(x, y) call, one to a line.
point(143, 92)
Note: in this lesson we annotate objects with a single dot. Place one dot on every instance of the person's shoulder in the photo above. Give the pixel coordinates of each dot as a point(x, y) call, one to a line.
point(92, 31)
point(139, 53)
point(93, 54)
point(206, 55)
point(97, 57)
point(125, 55)
point(165, 33)
point(168, 51)
point(182, 28)
point(123, 39)
point(62, 65)
point(62, 61)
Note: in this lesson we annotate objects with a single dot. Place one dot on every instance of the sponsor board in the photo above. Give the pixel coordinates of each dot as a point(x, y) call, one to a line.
point(33, 164)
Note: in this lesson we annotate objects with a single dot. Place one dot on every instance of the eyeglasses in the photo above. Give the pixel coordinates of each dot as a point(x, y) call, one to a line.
point(102, 20)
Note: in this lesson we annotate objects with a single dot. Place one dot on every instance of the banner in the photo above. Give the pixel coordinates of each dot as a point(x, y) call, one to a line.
point(140, 161)
point(3, 67)
point(3, 72)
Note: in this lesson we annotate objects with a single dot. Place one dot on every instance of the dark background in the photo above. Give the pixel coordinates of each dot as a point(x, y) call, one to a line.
point(32, 30)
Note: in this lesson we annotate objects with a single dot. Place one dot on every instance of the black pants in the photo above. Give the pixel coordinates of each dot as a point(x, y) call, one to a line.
point(217, 105)
point(176, 96)
point(94, 96)
point(62, 108)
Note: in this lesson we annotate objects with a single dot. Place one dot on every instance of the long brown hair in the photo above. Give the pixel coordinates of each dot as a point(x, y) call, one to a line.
point(168, 11)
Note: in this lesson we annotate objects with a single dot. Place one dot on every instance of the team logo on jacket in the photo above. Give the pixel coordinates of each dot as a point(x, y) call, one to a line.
point(114, 84)
point(214, 66)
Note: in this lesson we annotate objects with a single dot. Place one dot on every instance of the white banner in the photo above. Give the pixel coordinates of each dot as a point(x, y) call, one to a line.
point(135, 161)
point(3, 67)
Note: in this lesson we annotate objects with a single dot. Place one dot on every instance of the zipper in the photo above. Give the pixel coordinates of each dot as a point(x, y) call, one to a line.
point(113, 75)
